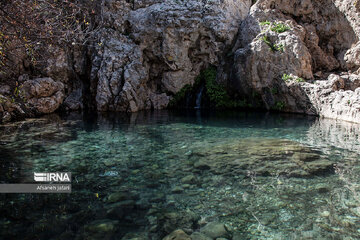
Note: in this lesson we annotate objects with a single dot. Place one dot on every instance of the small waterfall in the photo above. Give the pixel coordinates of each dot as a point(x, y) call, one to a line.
point(198, 98)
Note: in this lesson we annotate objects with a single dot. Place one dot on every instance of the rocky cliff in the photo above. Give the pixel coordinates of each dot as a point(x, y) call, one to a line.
point(285, 55)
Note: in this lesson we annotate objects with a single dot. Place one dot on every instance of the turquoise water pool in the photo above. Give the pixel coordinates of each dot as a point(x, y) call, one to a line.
point(143, 175)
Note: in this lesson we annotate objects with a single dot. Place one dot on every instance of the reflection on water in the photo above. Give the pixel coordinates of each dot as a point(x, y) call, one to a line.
point(143, 175)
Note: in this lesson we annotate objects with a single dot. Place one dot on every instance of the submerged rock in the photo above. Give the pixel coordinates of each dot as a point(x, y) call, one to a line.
point(262, 157)
point(199, 236)
point(104, 226)
point(214, 230)
point(177, 235)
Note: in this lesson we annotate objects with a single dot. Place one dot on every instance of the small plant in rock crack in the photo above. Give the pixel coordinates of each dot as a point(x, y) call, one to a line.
point(286, 77)
point(275, 27)
point(265, 23)
point(273, 47)
point(279, 27)
point(279, 47)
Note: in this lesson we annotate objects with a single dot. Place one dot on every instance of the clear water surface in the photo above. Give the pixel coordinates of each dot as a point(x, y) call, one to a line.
point(143, 175)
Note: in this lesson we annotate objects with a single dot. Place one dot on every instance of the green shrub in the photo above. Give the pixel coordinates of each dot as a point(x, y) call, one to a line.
point(217, 93)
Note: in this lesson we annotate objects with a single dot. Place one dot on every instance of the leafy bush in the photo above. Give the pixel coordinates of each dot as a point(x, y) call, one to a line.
point(217, 93)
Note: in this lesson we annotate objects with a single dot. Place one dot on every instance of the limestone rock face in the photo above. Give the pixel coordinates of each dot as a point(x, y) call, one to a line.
point(337, 97)
point(10, 110)
point(270, 64)
point(160, 48)
point(287, 55)
point(44, 94)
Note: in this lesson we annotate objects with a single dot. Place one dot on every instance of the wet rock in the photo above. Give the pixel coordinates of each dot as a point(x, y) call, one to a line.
point(135, 236)
point(118, 196)
point(214, 230)
point(169, 221)
point(189, 179)
point(199, 236)
point(202, 165)
point(263, 157)
point(325, 214)
point(177, 189)
point(74, 100)
point(102, 226)
point(177, 235)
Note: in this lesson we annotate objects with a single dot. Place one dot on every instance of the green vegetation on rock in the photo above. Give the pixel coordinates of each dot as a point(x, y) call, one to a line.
point(273, 47)
point(279, 106)
point(216, 93)
point(286, 77)
point(279, 27)
point(276, 27)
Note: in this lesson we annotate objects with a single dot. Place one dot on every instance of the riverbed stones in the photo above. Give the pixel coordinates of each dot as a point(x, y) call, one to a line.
point(101, 229)
point(177, 235)
point(199, 236)
point(177, 189)
point(118, 196)
point(169, 221)
point(214, 230)
point(189, 179)
point(262, 157)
